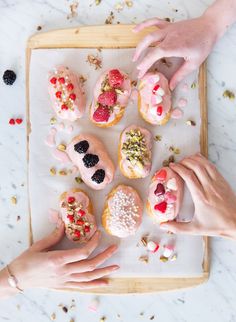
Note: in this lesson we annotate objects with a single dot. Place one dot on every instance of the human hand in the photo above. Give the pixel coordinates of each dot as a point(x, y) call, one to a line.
point(38, 267)
point(214, 200)
point(191, 39)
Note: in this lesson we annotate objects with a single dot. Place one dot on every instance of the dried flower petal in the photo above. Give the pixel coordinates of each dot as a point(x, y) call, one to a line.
point(144, 259)
point(229, 94)
point(13, 200)
point(157, 138)
point(53, 171)
point(95, 61)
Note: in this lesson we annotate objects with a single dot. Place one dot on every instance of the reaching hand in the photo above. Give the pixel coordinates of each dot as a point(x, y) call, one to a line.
point(192, 40)
point(62, 269)
point(214, 200)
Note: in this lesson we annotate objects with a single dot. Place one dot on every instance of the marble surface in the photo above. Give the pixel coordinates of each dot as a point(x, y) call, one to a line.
point(214, 300)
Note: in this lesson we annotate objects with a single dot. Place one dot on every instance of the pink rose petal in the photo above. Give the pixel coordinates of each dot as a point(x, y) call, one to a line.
point(177, 113)
point(182, 102)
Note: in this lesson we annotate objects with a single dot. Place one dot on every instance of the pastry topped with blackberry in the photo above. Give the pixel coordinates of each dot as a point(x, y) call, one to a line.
point(89, 154)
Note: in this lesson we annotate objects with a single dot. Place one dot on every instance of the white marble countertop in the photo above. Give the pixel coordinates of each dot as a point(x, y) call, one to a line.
point(213, 301)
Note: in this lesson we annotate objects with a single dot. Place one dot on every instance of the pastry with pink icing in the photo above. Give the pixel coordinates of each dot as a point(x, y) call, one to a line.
point(154, 99)
point(122, 213)
point(88, 153)
point(165, 195)
point(76, 212)
point(66, 94)
point(110, 98)
point(135, 152)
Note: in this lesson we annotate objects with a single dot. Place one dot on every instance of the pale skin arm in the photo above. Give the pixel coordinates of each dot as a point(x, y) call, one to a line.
point(38, 267)
point(191, 39)
point(214, 200)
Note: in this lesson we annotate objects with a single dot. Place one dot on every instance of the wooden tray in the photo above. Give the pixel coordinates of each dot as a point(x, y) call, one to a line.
point(120, 36)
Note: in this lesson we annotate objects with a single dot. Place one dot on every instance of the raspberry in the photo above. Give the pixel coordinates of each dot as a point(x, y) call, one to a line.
point(160, 190)
point(87, 229)
point(70, 87)
point(161, 206)
point(81, 213)
point(12, 122)
point(19, 121)
point(71, 199)
point(81, 147)
point(58, 94)
point(72, 97)
point(98, 176)
point(101, 114)
point(107, 98)
point(9, 77)
point(53, 80)
point(159, 110)
point(90, 160)
point(115, 78)
point(61, 80)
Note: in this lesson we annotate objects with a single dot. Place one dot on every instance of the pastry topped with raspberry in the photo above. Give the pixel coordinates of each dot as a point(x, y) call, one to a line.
point(165, 195)
point(76, 212)
point(66, 94)
point(111, 96)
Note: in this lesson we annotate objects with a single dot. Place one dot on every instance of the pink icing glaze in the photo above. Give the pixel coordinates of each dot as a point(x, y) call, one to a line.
point(105, 163)
point(77, 108)
point(144, 172)
point(182, 102)
point(150, 101)
point(81, 198)
point(50, 139)
point(177, 113)
point(122, 99)
point(61, 156)
point(126, 210)
point(172, 197)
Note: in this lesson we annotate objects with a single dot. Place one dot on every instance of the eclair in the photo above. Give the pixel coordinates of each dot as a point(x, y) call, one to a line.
point(95, 166)
point(76, 212)
point(122, 213)
point(110, 98)
point(154, 98)
point(67, 97)
point(165, 195)
point(135, 152)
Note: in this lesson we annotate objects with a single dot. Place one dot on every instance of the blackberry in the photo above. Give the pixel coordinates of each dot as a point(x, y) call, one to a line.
point(81, 147)
point(98, 176)
point(90, 160)
point(9, 77)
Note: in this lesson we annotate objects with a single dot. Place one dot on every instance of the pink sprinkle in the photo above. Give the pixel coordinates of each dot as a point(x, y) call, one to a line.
point(61, 156)
point(177, 113)
point(50, 139)
point(53, 215)
point(182, 102)
point(94, 304)
point(74, 169)
point(185, 87)
point(170, 197)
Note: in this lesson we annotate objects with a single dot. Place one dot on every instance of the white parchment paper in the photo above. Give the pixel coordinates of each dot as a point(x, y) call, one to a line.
point(46, 189)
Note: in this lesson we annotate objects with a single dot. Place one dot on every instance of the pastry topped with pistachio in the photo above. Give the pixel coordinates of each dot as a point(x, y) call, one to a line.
point(135, 152)
point(110, 98)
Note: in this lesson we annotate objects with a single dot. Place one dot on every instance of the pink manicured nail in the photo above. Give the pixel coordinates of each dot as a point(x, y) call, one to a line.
point(59, 223)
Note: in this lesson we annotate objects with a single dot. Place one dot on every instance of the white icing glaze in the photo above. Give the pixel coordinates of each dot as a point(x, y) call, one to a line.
point(126, 209)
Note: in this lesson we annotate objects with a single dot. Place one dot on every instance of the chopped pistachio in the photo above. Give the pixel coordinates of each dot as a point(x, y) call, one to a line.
point(173, 258)
point(191, 123)
point(110, 18)
point(128, 3)
point(53, 120)
point(53, 171)
point(103, 319)
point(13, 200)
point(61, 147)
point(53, 316)
point(79, 180)
point(157, 138)
point(174, 150)
point(229, 94)
point(163, 259)
point(152, 317)
point(95, 61)
point(97, 2)
point(144, 240)
point(62, 172)
point(193, 85)
point(143, 259)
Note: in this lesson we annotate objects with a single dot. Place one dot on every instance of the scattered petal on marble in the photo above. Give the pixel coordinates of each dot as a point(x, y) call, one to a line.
point(177, 113)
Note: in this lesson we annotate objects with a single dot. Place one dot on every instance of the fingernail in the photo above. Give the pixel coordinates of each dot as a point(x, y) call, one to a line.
point(171, 164)
point(164, 227)
point(114, 248)
point(115, 267)
point(59, 223)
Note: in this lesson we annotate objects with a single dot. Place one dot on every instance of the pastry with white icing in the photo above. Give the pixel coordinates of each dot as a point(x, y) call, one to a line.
point(122, 213)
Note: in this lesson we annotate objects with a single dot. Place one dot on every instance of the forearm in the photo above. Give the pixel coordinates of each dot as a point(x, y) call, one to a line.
point(222, 13)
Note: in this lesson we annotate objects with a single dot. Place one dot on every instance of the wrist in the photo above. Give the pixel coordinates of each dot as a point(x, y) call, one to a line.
point(5, 289)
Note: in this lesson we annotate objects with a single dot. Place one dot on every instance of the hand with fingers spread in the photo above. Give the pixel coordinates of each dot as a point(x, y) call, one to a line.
point(191, 39)
point(38, 267)
point(214, 200)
